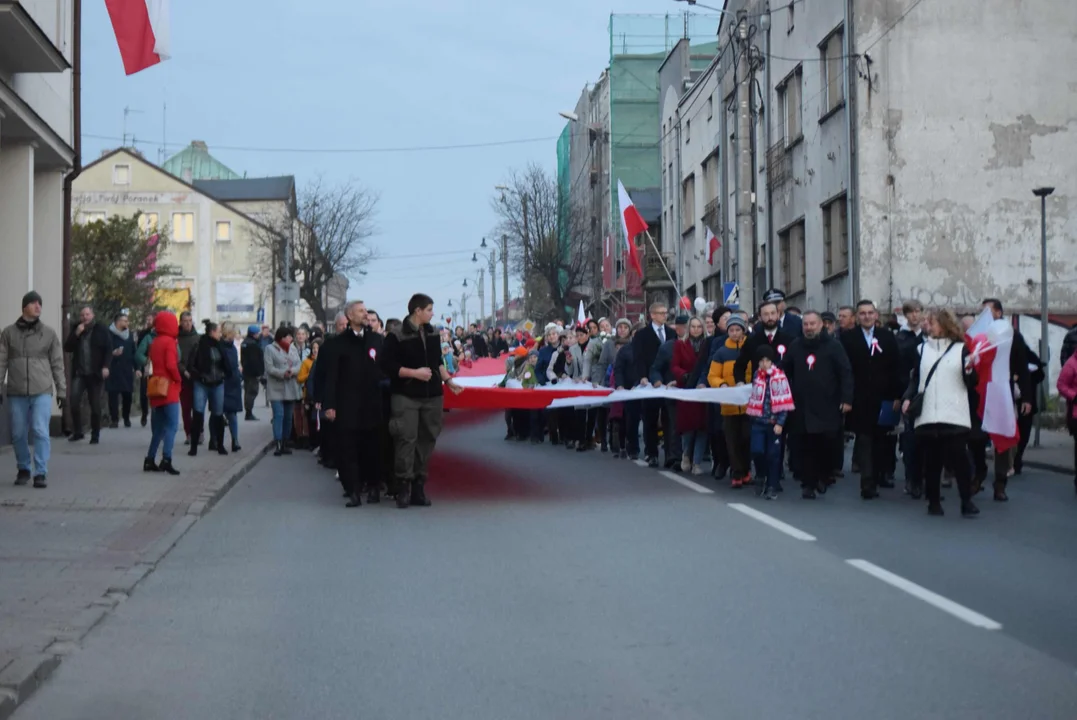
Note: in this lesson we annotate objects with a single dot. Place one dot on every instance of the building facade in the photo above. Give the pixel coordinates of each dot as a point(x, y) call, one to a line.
point(36, 151)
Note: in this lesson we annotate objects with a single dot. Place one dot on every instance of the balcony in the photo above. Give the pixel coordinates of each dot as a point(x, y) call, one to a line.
point(712, 215)
point(654, 270)
point(24, 46)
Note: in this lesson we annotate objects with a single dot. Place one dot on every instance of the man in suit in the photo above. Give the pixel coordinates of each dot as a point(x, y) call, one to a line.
point(876, 362)
point(792, 325)
point(645, 347)
point(662, 374)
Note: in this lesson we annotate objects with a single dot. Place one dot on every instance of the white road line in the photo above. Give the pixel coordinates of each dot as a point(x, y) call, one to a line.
point(773, 522)
point(641, 463)
point(687, 483)
point(949, 606)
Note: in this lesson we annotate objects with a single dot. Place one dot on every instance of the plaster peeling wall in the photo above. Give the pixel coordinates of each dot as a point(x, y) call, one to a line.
point(964, 108)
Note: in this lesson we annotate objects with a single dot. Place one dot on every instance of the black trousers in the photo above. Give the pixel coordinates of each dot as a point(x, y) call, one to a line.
point(978, 443)
point(599, 423)
point(653, 411)
point(869, 451)
point(114, 399)
point(359, 458)
point(250, 393)
point(521, 423)
point(950, 450)
point(143, 401)
point(632, 411)
point(1024, 427)
point(814, 458)
point(738, 438)
point(91, 386)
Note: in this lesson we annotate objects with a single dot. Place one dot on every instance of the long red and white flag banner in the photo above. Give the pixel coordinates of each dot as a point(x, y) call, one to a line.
point(989, 342)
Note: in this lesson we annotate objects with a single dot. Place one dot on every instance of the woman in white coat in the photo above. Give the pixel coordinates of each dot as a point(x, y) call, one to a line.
point(942, 379)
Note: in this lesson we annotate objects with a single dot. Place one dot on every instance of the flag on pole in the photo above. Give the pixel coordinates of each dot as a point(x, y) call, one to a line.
point(633, 224)
point(581, 316)
point(991, 341)
point(712, 246)
point(142, 32)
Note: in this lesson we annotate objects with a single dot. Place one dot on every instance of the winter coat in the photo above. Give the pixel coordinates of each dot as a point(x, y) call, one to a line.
point(581, 361)
point(121, 373)
point(188, 341)
point(233, 383)
point(691, 416)
point(876, 376)
point(946, 399)
point(32, 360)
point(909, 348)
point(721, 372)
point(545, 356)
point(1069, 345)
point(780, 342)
point(164, 356)
point(624, 368)
point(353, 382)
point(142, 352)
point(252, 355)
point(645, 346)
point(1067, 387)
point(601, 368)
point(662, 368)
point(208, 367)
point(91, 352)
point(278, 362)
point(821, 379)
point(413, 348)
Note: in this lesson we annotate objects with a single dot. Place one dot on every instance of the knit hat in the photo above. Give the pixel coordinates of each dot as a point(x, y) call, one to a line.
point(623, 321)
point(738, 321)
point(253, 329)
point(681, 320)
point(30, 298)
point(764, 351)
point(828, 317)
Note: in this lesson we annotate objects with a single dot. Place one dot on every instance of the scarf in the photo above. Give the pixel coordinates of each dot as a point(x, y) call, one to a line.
point(781, 397)
point(697, 343)
point(23, 324)
point(120, 333)
point(285, 344)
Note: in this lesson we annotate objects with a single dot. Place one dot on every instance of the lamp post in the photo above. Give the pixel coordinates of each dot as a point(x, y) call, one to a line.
point(1045, 326)
point(491, 259)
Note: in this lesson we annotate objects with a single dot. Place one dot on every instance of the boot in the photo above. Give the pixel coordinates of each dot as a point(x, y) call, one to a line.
point(1000, 492)
point(235, 445)
point(148, 465)
point(354, 500)
point(373, 497)
point(418, 496)
point(166, 467)
point(197, 421)
point(249, 416)
point(218, 433)
point(278, 448)
point(212, 435)
point(403, 494)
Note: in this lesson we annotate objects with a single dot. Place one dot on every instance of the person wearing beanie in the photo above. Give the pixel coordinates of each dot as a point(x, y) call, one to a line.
point(735, 424)
point(31, 383)
point(769, 406)
point(252, 358)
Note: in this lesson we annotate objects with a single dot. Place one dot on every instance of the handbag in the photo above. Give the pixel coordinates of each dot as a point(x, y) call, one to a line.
point(157, 387)
point(916, 404)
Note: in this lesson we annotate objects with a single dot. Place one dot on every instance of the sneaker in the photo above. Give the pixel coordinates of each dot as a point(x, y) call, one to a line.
point(41, 482)
point(23, 477)
point(770, 494)
point(697, 470)
point(686, 465)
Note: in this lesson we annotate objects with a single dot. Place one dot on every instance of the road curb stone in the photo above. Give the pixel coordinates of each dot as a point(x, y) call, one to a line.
point(24, 675)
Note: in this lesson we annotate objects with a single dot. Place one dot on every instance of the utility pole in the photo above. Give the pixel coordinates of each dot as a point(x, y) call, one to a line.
point(493, 288)
point(482, 296)
point(463, 308)
point(1045, 324)
point(745, 215)
point(505, 273)
point(527, 260)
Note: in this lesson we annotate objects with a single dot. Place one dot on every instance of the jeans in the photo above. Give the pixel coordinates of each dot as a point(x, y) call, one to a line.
point(632, 413)
point(282, 419)
point(164, 424)
point(31, 413)
point(212, 394)
point(233, 426)
point(767, 453)
point(695, 443)
point(92, 387)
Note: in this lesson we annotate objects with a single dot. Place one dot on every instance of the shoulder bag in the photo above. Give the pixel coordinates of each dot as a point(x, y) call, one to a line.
point(916, 405)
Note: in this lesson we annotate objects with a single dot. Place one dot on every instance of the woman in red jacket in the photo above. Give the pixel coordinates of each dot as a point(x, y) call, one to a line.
point(691, 416)
point(164, 391)
point(1067, 388)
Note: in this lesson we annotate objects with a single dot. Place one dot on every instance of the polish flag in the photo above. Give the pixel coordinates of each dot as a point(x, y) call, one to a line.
point(990, 342)
point(633, 225)
point(712, 246)
point(142, 32)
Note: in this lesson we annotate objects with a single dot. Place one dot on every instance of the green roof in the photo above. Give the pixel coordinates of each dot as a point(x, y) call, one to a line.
point(195, 163)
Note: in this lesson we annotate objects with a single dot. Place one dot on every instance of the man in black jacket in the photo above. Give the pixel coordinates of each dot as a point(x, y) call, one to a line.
point(767, 332)
point(91, 355)
point(645, 347)
point(252, 357)
point(788, 322)
point(910, 339)
point(353, 404)
point(478, 341)
point(325, 357)
point(822, 383)
point(876, 362)
point(412, 360)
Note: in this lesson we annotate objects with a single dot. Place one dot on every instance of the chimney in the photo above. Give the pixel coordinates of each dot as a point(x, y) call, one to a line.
point(199, 145)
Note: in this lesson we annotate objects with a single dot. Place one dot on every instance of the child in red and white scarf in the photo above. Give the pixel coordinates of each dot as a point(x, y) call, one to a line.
point(769, 406)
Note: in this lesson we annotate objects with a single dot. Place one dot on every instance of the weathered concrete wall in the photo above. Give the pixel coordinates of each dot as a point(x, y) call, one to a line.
point(964, 107)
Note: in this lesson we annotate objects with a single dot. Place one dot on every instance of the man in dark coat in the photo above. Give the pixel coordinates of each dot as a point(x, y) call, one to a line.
point(353, 404)
point(788, 322)
point(325, 356)
point(822, 383)
point(766, 332)
point(910, 339)
point(91, 355)
point(662, 374)
point(121, 378)
point(876, 362)
point(645, 347)
point(252, 358)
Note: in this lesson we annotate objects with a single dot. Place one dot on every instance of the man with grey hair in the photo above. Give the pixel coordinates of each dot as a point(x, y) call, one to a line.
point(340, 324)
point(645, 347)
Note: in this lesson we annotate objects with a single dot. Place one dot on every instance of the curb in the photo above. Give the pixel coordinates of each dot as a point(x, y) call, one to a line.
point(24, 675)
point(1050, 467)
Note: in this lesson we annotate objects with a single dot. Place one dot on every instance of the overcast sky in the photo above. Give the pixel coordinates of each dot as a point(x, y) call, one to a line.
point(258, 81)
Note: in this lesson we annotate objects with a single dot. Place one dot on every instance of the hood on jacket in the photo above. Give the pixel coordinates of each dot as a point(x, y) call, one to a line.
point(166, 324)
point(119, 333)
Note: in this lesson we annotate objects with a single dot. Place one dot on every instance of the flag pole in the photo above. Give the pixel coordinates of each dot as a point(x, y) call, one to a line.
point(664, 266)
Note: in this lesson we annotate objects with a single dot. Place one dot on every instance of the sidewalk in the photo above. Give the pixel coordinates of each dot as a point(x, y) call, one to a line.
point(1055, 452)
point(71, 552)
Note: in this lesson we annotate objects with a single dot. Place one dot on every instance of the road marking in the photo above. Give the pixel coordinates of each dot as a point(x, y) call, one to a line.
point(773, 522)
point(946, 605)
point(686, 482)
point(641, 463)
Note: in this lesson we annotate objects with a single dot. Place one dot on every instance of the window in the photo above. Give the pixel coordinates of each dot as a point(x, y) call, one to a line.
point(710, 107)
point(791, 247)
point(832, 72)
point(183, 227)
point(688, 203)
point(790, 93)
point(687, 131)
point(710, 178)
point(790, 16)
point(224, 231)
point(121, 174)
point(147, 223)
point(835, 237)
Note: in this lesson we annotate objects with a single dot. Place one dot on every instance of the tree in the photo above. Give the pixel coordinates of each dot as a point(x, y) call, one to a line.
point(114, 266)
point(328, 231)
point(549, 238)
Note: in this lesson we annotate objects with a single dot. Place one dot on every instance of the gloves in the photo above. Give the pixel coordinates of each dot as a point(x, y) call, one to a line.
point(60, 402)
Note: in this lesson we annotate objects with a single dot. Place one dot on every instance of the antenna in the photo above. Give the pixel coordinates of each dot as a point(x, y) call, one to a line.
point(162, 154)
point(127, 111)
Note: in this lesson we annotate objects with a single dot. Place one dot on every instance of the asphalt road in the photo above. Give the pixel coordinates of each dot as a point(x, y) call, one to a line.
point(550, 584)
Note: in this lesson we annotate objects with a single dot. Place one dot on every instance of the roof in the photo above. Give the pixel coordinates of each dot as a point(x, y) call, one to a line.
point(134, 154)
point(194, 163)
point(267, 188)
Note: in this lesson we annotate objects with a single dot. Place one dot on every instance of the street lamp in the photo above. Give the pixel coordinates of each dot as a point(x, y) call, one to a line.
point(569, 115)
point(1042, 193)
point(693, 3)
